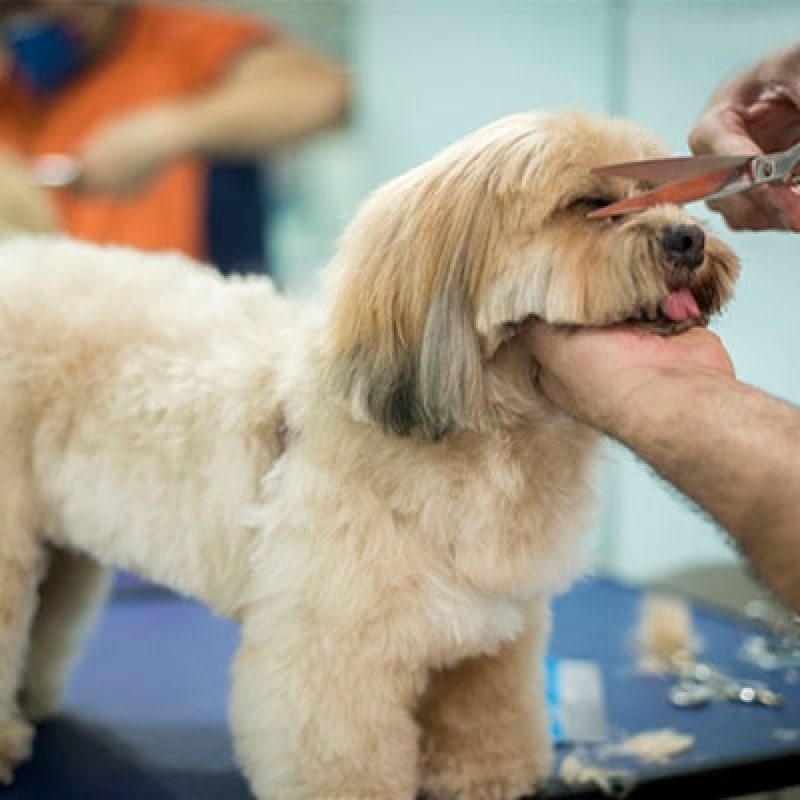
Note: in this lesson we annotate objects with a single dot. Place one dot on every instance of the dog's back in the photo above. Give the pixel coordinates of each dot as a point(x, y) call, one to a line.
point(144, 386)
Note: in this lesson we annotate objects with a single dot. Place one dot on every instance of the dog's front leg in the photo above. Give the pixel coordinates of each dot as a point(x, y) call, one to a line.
point(484, 723)
point(314, 720)
point(22, 556)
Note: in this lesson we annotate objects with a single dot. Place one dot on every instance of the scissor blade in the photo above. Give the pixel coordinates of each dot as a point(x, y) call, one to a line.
point(668, 170)
point(698, 188)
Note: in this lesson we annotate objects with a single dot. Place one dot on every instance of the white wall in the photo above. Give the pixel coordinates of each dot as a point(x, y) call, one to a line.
point(433, 70)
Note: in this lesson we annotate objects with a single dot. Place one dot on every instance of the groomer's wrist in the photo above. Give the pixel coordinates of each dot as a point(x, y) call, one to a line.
point(193, 128)
point(174, 137)
point(657, 406)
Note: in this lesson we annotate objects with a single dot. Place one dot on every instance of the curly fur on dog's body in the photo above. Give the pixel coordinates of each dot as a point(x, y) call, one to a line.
point(375, 490)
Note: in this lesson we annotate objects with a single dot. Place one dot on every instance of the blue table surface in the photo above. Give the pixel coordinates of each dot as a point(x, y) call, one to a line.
point(145, 717)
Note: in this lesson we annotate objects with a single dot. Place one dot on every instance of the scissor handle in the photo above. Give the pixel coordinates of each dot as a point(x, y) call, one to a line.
point(777, 168)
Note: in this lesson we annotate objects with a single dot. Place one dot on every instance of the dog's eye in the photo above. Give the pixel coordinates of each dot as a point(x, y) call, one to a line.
point(587, 204)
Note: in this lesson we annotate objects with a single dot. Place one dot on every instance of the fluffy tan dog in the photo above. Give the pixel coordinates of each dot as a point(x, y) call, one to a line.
point(373, 489)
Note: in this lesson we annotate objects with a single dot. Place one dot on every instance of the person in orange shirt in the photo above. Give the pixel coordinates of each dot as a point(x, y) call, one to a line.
point(148, 98)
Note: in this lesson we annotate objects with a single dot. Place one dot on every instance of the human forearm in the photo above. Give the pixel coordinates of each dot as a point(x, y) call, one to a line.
point(277, 95)
point(735, 452)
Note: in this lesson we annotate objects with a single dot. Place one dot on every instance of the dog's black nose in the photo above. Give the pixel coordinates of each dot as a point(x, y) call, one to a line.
point(685, 244)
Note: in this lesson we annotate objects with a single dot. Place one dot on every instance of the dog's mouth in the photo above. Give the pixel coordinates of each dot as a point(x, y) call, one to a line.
point(678, 312)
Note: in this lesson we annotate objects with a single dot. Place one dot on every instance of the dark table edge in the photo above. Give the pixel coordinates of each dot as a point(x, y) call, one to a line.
point(733, 779)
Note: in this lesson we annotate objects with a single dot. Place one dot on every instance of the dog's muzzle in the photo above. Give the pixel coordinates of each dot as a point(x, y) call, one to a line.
point(685, 245)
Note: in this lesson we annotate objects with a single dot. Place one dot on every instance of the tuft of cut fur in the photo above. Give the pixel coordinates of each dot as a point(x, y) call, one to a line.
point(665, 641)
point(371, 486)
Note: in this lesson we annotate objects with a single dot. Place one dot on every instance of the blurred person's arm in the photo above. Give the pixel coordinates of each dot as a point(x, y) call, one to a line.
point(676, 403)
point(275, 95)
point(756, 112)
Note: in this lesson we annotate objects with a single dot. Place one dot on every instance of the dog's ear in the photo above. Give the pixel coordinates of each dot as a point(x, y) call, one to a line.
point(401, 347)
point(380, 393)
point(449, 384)
point(402, 343)
point(431, 384)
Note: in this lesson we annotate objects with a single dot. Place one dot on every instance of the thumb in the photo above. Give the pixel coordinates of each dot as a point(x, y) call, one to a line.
point(539, 337)
point(722, 131)
point(734, 142)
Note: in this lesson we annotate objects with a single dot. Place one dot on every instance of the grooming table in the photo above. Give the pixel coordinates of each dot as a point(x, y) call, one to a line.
point(145, 718)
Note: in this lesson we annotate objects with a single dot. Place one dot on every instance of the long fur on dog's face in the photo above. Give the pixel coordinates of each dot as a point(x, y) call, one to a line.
point(441, 265)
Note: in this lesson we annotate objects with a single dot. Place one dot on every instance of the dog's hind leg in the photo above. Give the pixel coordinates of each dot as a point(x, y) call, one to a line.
point(484, 723)
point(22, 556)
point(70, 598)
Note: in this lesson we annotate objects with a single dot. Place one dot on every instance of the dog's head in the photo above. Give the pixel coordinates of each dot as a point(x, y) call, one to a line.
point(442, 265)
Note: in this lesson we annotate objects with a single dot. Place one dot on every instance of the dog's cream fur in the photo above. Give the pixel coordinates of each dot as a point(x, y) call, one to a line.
point(374, 489)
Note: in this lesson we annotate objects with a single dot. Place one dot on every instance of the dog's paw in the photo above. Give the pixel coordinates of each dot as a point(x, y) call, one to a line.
point(15, 746)
point(501, 765)
point(465, 787)
point(457, 779)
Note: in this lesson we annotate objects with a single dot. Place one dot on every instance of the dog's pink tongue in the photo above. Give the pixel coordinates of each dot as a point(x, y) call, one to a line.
point(680, 306)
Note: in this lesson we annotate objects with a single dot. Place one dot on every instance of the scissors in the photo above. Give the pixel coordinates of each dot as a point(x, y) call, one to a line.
point(56, 170)
point(689, 178)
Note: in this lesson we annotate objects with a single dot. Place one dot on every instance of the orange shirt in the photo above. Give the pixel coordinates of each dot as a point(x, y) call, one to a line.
point(163, 53)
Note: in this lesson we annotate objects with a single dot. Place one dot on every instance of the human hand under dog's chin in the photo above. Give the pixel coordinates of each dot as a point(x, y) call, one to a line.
point(596, 374)
point(757, 112)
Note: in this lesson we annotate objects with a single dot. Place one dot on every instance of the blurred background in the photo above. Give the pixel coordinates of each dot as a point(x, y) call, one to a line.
point(428, 71)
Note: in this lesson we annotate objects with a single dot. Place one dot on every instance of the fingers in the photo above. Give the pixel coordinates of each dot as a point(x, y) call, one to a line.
point(767, 208)
point(597, 351)
point(702, 349)
point(755, 114)
point(538, 335)
point(722, 130)
point(742, 213)
point(592, 373)
point(786, 205)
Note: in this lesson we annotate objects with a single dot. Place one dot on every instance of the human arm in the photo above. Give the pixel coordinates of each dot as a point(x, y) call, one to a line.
point(756, 112)
point(274, 95)
point(675, 403)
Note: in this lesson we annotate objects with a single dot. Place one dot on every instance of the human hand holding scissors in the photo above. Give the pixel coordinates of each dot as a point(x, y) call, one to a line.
point(746, 154)
point(755, 113)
